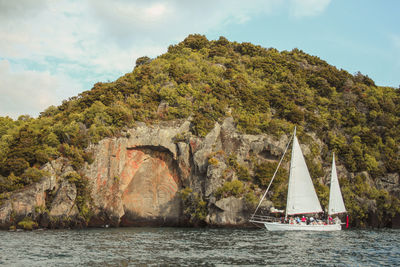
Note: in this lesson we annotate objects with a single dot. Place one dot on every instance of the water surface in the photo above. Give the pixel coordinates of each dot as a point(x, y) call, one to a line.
point(188, 246)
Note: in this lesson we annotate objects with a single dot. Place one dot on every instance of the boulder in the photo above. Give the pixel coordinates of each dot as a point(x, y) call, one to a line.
point(64, 201)
point(214, 178)
point(230, 211)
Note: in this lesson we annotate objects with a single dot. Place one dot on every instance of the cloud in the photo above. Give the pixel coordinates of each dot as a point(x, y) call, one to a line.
point(127, 22)
point(108, 36)
point(81, 42)
point(29, 92)
point(308, 8)
point(20, 8)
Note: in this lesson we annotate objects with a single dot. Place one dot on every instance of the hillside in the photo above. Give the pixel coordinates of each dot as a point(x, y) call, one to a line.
point(265, 91)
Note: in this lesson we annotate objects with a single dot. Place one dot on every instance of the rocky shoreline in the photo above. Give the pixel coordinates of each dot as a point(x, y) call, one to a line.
point(137, 180)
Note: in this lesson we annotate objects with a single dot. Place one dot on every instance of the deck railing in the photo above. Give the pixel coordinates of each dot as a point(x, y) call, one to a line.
point(263, 218)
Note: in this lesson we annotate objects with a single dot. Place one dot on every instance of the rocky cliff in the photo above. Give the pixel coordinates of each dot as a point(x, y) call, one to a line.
point(155, 175)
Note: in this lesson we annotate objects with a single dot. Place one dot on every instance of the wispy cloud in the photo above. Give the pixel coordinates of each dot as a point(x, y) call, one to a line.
point(308, 8)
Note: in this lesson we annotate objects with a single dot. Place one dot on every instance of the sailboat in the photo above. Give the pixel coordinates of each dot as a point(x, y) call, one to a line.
point(302, 198)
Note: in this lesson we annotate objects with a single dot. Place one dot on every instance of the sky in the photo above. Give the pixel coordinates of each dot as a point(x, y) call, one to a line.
point(52, 50)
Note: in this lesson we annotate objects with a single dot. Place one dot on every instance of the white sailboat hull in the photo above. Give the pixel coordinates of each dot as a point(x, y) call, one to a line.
point(276, 226)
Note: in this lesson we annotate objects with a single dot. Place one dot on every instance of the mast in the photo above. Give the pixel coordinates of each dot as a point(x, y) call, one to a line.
point(336, 204)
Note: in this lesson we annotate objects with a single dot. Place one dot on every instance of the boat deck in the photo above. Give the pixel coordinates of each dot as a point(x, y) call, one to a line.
point(263, 219)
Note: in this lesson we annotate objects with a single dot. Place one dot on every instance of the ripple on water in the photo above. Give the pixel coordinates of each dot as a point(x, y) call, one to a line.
point(187, 246)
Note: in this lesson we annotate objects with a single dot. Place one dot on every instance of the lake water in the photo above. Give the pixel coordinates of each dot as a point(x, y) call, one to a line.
point(209, 247)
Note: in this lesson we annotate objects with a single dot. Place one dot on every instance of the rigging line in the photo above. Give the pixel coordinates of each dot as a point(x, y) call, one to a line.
point(273, 177)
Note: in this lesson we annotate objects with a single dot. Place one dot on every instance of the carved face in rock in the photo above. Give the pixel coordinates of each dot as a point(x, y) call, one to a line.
point(149, 184)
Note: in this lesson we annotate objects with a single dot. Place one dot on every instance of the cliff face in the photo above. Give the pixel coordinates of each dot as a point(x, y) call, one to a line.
point(136, 179)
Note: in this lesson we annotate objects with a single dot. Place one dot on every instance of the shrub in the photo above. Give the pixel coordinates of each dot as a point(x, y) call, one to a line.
point(243, 173)
point(142, 60)
point(181, 137)
point(11, 183)
point(195, 41)
point(251, 199)
point(32, 175)
point(27, 224)
point(15, 165)
point(83, 198)
point(263, 173)
point(195, 208)
point(213, 161)
point(234, 188)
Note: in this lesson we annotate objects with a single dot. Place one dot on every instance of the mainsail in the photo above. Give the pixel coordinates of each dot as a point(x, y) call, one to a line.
point(302, 197)
point(336, 204)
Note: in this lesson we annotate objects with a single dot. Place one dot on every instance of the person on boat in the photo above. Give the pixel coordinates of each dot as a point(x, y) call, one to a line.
point(330, 219)
point(337, 220)
point(303, 219)
point(297, 219)
point(291, 221)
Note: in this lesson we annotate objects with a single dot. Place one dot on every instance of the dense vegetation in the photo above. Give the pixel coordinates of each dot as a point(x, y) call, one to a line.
point(264, 90)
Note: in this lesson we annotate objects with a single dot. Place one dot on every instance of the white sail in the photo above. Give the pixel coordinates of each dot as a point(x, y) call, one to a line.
point(302, 197)
point(336, 204)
